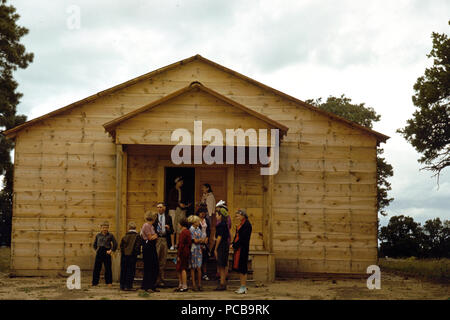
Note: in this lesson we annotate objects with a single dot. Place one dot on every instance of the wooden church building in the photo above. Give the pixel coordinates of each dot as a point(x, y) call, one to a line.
point(108, 157)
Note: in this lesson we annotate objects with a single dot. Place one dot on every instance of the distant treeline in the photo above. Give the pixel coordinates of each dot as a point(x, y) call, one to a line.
point(403, 237)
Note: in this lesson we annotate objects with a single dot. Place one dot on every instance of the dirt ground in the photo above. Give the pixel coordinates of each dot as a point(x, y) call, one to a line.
point(392, 287)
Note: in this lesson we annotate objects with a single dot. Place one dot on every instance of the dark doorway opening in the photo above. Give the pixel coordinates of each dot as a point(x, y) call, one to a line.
point(188, 188)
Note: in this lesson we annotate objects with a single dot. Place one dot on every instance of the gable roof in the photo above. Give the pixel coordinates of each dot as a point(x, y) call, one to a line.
point(111, 125)
point(11, 133)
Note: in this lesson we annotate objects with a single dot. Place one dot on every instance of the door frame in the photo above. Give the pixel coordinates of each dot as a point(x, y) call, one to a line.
point(162, 164)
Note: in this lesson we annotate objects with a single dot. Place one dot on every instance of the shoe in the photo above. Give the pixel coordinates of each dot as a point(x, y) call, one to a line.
point(205, 277)
point(172, 248)
point(241, 290)
point(200, 289)
point(220, 288)
point(183, 290)
point(177, 289)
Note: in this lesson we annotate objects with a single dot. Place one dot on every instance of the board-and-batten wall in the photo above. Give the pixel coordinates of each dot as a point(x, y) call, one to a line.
point(324, 197)
point(142, 190)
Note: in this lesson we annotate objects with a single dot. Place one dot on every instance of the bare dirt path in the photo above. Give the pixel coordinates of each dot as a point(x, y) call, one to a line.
point(392, 287)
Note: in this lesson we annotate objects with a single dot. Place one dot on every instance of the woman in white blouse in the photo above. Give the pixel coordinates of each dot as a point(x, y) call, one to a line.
point(210, 201)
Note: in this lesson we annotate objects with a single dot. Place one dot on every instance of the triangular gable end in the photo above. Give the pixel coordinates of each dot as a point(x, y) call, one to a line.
point(149, 133)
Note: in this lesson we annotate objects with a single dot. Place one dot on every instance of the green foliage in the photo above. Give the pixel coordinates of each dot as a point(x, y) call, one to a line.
point(403, 237)
point(429, 130)
point(436, 238)
point(344, 108)
point(12, 56)
point(365, 116)
point(144, 294)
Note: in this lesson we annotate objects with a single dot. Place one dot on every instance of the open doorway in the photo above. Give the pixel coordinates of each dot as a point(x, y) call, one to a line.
point(188, 188)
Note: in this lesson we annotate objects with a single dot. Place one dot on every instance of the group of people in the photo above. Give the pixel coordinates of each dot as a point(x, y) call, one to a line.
point(196, 238)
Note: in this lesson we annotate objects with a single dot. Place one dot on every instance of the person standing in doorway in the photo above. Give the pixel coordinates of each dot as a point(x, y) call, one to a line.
point(104, 244)
point(210, 202)
point(164, 229)
point(177, 209)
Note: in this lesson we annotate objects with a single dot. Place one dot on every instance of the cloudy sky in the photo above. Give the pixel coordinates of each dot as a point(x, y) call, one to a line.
point(372, 51)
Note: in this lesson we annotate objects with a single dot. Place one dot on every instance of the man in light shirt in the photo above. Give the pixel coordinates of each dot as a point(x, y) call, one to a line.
point(164, 229)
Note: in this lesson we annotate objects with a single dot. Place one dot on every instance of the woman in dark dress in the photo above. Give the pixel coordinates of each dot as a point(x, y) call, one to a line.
point(241, 244)
point(151, 264)
point(222, 247)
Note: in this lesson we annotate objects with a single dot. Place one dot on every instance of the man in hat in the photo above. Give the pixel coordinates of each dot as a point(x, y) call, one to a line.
point(177, 209)
point(105, 244)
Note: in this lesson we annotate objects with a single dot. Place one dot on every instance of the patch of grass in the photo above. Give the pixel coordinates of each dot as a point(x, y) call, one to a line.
point(5, 258)
point(144, 294)
point(431, 269)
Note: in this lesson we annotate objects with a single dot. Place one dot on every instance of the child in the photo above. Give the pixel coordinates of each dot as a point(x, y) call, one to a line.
point(222, 247)
point(195, 263)
point(130, 247)
point(151, 264)
point(206, 232)
point(184, 251)
point(104, 244)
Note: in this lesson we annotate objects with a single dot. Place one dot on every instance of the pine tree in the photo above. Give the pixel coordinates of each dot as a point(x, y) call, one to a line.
point(12, 56)
point(428, 131)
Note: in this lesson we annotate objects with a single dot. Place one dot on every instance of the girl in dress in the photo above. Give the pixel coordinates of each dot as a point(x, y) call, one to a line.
point(195, 263)
point(209, 202)
point(206, 231)
point(183, 254)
